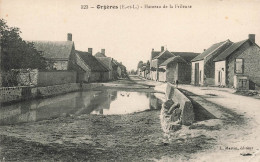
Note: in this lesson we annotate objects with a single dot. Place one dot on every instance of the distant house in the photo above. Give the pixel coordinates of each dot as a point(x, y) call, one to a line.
point(109, 63)
point(239, 65)
point(57, 53)
point(177, 67)
point(147, 70)
point(120, 69)
point(157, 58)
point(123, 70)
point(93, 70)
point(203, 66)
point(143, 71)
point(171, 66)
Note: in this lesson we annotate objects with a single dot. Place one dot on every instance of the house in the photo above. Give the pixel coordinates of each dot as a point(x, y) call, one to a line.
point(177, 67)
point(147, 70)
point(203, 66)
point(123, 70)
point(158, 58)
point(109, 63)
point(166, 66)
point(143, 71)
point(93, 70)
point(239, 65)
point(57, 53)
point(120, 69)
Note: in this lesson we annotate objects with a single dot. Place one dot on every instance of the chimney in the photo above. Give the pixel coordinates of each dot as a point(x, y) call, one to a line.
point(103, 51)
point(204, 50)
point(162, 48)
point(69, 37)
point(90, 50)
point(251, 37)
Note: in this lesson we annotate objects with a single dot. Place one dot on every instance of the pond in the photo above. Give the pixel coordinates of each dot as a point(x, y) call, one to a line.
point(106, 102)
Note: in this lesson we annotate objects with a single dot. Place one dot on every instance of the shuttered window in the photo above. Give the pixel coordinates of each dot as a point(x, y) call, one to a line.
point(239, 66)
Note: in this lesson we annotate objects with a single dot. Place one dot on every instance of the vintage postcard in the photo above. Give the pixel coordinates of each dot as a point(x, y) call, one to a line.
point(130, 80)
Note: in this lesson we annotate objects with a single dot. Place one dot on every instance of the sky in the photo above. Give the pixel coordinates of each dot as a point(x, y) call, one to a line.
point(129, 35)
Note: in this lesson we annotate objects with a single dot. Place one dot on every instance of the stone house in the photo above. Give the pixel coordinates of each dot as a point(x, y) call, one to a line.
point(93, 70)
point(203, 66)
point(177, 67)
point(158, 58)
point(109, 63)
point(166, 66)
point(239, 65)
point(57, 53)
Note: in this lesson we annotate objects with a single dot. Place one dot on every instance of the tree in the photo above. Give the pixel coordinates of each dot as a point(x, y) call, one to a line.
point(17, 53)
point(140, 64)
point(148, 65)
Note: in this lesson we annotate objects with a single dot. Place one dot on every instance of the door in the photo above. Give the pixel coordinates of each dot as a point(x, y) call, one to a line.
point(196, 76)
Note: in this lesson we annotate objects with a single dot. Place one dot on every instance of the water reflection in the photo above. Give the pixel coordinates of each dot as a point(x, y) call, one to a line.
point(91, 102)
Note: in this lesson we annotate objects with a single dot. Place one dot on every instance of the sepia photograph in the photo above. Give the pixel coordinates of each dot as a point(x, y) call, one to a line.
point(130, 80)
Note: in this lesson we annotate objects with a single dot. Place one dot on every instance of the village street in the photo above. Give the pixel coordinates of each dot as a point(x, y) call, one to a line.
point(232, 134)
point(243, 137)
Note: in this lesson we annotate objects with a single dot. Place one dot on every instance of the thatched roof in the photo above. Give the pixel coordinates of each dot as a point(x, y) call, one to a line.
point(54, 49)
point(92, 62)
point(106, 61)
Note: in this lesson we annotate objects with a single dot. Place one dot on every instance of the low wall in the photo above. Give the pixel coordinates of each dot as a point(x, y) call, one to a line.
point(177, 110)
point(14, 94)
point(57, 89)
point(48, 78)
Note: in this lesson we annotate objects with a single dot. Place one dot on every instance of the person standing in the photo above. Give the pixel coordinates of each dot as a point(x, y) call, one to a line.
point(177, 82)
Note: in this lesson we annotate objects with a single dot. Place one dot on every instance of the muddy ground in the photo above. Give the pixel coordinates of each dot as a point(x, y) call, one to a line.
point(131, 137)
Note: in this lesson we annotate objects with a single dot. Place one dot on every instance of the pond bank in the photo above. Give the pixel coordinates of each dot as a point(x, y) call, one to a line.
point(88, 137)
point(16, 94)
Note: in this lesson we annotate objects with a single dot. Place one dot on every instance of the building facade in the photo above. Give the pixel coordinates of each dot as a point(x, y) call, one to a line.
point(239, 65)
point(203, 66)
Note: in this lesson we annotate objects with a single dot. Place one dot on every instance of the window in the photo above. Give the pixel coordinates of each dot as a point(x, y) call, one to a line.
point(239, 66)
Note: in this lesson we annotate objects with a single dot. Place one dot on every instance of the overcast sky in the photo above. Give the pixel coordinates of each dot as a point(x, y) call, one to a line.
point(130, 35)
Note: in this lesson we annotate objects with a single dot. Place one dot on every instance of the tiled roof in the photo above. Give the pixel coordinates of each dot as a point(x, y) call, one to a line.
point(92, 62)
point(209, 50)
point(174, 58)
point(164, 55)
point(54, 49)
point(155, 53)
point(187, 56)
point(229, 50)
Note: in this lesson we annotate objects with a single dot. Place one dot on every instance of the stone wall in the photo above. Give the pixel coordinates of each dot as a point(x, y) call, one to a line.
point(10, 94)
point(14, 94)
point(27, 77)
point(176, 111)
point(57, 89)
